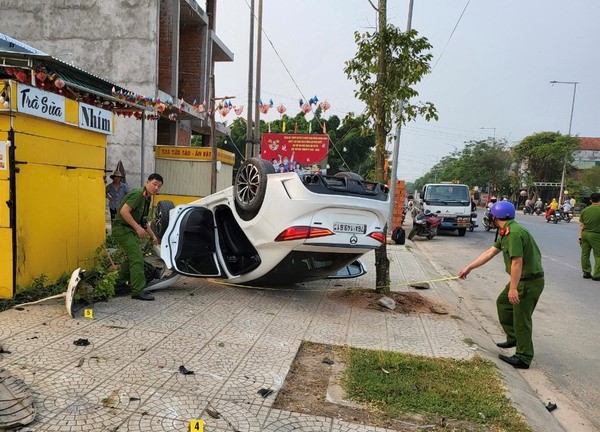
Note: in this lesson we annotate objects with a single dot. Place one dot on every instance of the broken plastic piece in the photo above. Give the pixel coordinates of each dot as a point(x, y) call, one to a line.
point(81, 342)
point(328, 361)
point(213, 413)
point(551, 406)
point(264, 392)
point(184, 371)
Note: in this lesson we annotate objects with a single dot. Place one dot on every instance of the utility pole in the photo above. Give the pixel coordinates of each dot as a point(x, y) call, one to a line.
point(564, 170)
point(256, 147)
point(213, 141)
point(249, 136)
point(396, 150)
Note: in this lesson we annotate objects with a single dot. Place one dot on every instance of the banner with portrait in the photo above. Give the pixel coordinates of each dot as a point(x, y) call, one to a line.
point(301, 153)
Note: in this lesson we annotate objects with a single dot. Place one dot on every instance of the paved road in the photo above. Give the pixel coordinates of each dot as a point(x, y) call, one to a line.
point(566, 324)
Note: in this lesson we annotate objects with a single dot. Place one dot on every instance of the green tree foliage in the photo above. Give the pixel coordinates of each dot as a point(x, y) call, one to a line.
point(479, 163)
point(590, 181)
point(542, 156)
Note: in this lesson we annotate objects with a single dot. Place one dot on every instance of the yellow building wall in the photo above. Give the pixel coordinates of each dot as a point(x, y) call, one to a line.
point(60, 197)
point(6, 256)
point(187, 171)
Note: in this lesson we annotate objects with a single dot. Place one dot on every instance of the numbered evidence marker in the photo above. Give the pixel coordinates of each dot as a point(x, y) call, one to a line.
point(196, 425)
point(88, 313)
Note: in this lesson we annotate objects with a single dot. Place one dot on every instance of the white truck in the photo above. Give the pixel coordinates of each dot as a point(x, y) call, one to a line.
point(450, 201)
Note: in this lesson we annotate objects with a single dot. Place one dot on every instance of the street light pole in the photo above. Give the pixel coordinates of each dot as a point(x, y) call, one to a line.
point(564, 170)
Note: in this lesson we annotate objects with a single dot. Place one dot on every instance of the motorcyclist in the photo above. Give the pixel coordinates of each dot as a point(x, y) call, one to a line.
point(473, 213)
point(551, 208)
point(493, 201)
point(539, 205)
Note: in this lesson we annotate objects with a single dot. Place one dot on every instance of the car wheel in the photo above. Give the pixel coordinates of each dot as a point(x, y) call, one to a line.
point(161, 222)
point(412, 233)
point(349, 175)
point(462, 232)
point(250, 186)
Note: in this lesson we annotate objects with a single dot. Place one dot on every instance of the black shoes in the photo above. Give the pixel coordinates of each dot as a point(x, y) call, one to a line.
point(587, 275)
point(506, 344)
point(596, 278)
point(515, 362)
point(142, 296)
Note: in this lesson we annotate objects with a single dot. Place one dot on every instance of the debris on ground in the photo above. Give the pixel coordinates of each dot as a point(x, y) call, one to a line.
point(81, 342)
point(387, 303)
point(551, 406)
point(265, 392)
point(184, 371)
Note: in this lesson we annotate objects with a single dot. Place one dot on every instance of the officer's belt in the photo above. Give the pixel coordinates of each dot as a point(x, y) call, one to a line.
point(533, 276)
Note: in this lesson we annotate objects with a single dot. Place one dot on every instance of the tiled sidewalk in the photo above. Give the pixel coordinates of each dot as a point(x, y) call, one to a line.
point(237, 342)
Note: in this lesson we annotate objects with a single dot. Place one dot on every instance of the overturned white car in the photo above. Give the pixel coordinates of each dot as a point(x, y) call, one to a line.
point(275, 228)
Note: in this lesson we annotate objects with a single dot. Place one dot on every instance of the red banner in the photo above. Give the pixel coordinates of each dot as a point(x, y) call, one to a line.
point(302, 153)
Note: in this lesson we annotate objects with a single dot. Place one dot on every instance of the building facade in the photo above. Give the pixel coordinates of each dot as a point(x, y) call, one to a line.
point(588, 155)
point(164, 49)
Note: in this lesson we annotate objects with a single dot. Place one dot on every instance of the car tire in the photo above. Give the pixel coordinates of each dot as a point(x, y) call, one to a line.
point(462, 232)
point(412, 233)
point(349, 175)
point(251, 186)
point(161, 221)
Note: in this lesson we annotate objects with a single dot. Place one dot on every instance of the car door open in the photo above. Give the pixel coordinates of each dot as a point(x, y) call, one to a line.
point(192, 243)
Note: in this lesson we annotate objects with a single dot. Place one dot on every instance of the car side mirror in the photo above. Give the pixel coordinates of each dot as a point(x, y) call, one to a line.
point(422, 195)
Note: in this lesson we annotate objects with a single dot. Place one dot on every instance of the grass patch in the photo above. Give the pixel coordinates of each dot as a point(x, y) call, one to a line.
point(462, 390)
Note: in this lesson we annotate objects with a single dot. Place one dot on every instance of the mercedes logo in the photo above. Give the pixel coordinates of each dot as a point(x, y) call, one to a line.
point(353, 239)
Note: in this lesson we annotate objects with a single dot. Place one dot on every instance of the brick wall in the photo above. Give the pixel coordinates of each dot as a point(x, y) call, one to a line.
point(190, 62)
point(398, 204)
point(165, 47)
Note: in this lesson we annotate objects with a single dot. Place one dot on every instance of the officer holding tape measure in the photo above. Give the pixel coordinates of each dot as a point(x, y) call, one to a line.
point(516, 303)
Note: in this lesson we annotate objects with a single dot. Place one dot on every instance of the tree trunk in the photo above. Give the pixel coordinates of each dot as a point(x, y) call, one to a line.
point(382, 263)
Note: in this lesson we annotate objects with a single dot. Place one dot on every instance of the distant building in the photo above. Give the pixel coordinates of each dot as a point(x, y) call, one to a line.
point(160, 48)
point(588, 155)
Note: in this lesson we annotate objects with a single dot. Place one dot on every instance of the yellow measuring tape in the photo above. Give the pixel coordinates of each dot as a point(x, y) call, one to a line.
point(258, 288)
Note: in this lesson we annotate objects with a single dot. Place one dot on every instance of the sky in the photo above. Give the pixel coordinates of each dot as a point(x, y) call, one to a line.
point(493, 72)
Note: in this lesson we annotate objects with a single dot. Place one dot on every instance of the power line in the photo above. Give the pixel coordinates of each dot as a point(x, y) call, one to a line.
point(451, 34)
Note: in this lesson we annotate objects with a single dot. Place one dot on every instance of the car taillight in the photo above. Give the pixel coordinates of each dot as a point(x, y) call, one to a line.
point(302, 232)
point(377, 235)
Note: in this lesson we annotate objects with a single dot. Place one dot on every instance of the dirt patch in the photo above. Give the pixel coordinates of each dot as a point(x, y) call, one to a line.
point(306, 386)
point(406, 302)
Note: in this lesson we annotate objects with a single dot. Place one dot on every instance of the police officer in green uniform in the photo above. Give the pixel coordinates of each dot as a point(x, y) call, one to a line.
point(129, 227)
point(516, 303)
point(589, 238)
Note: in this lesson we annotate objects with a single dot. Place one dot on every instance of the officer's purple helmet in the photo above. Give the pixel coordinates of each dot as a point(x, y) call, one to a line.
point(503, 210)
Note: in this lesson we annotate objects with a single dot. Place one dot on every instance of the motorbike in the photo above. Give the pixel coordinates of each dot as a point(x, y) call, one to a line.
point(565, 215)
point(528, 210)
point(488, 222)
point(473, 224)
point(425, 225)
point(553, 217)
point(538, 211)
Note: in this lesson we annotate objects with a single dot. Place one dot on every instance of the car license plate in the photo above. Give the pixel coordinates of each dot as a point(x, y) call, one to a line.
point(349, 228)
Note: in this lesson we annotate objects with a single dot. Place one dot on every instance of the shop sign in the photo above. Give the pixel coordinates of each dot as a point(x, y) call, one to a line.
point(95, 119)
point(3, 160)
point(40, 103)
